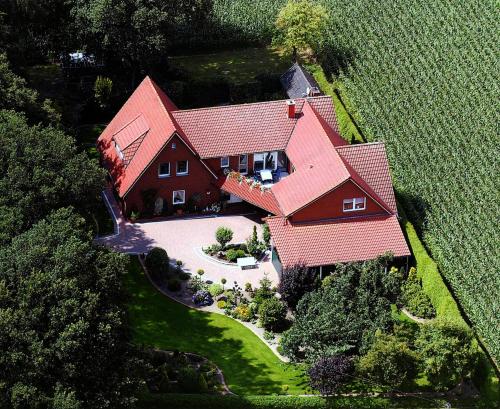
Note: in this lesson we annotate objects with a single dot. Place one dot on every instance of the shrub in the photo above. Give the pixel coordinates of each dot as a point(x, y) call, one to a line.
point(223, 235)
point(327, 281)
point(266, 234)
point(248, 287)
point(264, 292)
point(157, 263)
point(272, 314)
point(253, 244)
point(221, 304)
point(414, 298)
point(215, 289)
point(202, 298)
point(197, 284)
point(184, 276)
point(223, 281)
point(188, 380)
point(213, 249)
point(389, 361)
point(328, 373)
point(449, 352)
point(243, 312)
point(232, 254)
point(174, 284)
point(200, 272)
point(295, 282)
point(102, 90)
point(268, 335)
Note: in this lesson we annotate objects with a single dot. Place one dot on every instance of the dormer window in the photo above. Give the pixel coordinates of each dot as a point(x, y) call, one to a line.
point(224, 162)
point(119, 151)
point(164, 170)
point(355, 204)
point(182, 167)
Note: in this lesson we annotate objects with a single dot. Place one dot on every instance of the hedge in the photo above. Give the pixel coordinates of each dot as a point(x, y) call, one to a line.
point(180, 401)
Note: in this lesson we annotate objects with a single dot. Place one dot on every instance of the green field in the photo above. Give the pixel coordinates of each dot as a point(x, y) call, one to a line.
point(423, 77)
point(249, 366)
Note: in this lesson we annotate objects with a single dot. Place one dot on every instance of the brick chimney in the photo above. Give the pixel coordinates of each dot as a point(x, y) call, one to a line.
point(291, 108)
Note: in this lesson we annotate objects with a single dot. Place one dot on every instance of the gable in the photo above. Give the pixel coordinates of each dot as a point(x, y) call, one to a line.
point(330, 206)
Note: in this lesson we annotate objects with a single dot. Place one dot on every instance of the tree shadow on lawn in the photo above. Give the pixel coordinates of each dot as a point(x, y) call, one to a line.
point(249, 366)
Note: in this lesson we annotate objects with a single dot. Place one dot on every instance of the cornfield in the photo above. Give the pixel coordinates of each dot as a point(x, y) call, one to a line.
point(424, 78)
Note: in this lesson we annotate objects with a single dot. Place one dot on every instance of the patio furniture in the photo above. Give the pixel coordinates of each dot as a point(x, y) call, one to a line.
point(246, 262)
point(266, 175)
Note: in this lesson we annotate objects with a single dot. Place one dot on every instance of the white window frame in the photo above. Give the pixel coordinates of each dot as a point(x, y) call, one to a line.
point(119, 151)
point(177, 168)
point(246, 164)
point(224, 159)
point(164, 175)
point(354, 201)
point(183, 195)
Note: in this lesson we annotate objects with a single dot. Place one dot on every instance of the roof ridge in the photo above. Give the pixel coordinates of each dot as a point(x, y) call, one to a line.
point(237, 105)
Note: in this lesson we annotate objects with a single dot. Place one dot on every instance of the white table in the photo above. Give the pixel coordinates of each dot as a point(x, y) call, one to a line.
point(246, 262)
point(266, 175)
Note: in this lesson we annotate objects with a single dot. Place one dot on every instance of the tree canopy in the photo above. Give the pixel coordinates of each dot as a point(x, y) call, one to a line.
point(41, 170)
point(63, 333)
point(343, 316)
point(300, 26)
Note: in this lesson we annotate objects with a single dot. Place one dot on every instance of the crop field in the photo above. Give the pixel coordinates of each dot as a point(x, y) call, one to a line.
point(424, 78)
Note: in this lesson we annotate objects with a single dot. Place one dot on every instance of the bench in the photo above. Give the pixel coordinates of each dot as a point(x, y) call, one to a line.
point(246, 262)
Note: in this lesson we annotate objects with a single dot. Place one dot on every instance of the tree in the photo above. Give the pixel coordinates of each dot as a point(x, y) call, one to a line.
point(328, 373)
point(389, 361)
point(300, 26)
point(253, 243)
point(266, 234)
point(296, 281)
point(63, 328)
point(157, 263)
point(449, 352)
point(223, 235)
point(16, 95)
point(103, 87)
point(41, 170)
point(272, 313)
point(343, 316)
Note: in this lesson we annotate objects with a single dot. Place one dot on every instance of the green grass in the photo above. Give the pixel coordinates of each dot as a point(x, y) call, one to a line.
point(249, 366)
point(237, 66)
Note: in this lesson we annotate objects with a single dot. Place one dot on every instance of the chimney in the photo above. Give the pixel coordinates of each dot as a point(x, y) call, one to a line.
point(291, 108)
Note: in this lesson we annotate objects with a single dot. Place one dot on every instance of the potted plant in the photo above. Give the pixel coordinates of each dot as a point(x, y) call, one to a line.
point(134, 215)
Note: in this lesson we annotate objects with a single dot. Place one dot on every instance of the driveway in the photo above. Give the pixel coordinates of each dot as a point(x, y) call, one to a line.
point(183, 239)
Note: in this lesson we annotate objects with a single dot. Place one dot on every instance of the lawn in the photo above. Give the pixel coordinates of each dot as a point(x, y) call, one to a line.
point(235, 65)
point(249, 366)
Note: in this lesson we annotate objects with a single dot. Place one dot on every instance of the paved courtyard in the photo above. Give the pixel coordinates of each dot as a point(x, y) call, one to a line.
point(183, 239)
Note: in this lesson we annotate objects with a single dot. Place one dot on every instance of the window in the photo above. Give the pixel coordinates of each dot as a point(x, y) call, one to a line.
point(243, 164)
point(352, 205)
point(265, 160)
point(182, 167)
point(174, 145)
point(224, 162)
point(178, 197)
point(164, 169)
point(119, 151)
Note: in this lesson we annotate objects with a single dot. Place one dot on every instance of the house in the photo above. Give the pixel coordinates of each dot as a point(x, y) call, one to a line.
point(326, 201)
point(298, 83)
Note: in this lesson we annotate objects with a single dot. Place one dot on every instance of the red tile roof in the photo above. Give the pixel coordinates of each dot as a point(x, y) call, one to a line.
point(152, 106)
point(337, 241)
point(237, 129)
point(263, 198)
point(369, 161)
